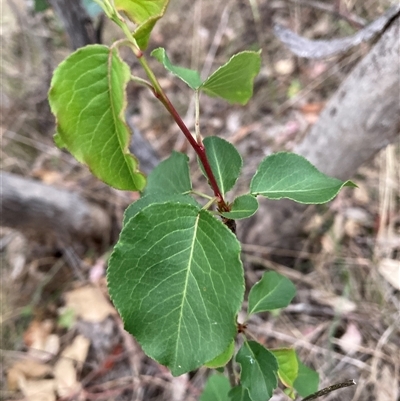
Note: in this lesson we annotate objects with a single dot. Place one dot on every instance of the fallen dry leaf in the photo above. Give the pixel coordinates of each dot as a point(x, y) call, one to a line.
point(89, 304)
point(70, 362)
point(284, 67)
point(352, 228)
point(42, 344)
point(28, 369)
point(47, 176)
point(38, 390)
point(37, 332)
point(311, 111)
point(390, 270)
point(351, 339)
point(78, 350)
point(65, 374)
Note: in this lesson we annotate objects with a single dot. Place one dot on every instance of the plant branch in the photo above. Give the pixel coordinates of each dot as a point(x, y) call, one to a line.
point(231, 373)
point(329, 389)
point(201, 194)
point(198, 147)
point(162, 97)
point(141, 82)
point(197, 116)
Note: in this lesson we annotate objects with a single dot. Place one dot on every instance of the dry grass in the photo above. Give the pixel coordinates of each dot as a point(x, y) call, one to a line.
point(344, 321)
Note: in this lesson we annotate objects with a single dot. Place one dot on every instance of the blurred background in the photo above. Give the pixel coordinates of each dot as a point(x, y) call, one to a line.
point(61, 337)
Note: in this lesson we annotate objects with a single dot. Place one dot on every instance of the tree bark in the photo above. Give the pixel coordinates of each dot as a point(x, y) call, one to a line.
point(77, 23)
point(364, 114)
point(51, 215)
point(359, 120)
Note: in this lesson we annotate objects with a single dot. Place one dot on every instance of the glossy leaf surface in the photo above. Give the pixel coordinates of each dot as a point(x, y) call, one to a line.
point(225, 162)
point(234, 80)
point(87, 96)
point(273, 291)
point(176, 289)
point(259, 370)
point(242, 207)
point(287, 175)
point(190, 77)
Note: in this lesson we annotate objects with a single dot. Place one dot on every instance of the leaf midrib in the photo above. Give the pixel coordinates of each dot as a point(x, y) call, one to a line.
point(196, 225)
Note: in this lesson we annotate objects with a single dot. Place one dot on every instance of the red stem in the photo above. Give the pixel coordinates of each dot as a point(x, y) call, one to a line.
point(199, 149)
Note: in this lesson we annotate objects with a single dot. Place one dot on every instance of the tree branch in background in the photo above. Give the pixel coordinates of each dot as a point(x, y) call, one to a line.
point(76, 21)
point(360, 119)
point(48, 214)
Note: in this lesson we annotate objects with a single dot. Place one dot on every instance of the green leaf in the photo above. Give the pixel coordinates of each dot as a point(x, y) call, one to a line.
point(134, 208)
point(142, 32)
point(190, 77)
point(239, 393)
point(144, 13)
point(87, 96)
point(225, 162)
point(40, 5)
point(288, 365)
point(222, 359)
point(177, 289)
point(307, 380)
point(170, 176)
point(258, 370)
point(287, 175)
point(234, 80)
point(139, 11)
point(216, 389)
point(273, 291)
point(242, 207)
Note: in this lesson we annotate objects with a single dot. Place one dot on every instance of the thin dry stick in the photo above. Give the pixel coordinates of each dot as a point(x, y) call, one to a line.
point(329, 389)
point(257, 327)
point(205, 71)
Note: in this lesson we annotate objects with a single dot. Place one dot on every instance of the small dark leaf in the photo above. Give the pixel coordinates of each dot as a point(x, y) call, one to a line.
point(273, 291)
point(216, 389)
point(239, 393)
point(259, 369)
point(225, 161)
point(242, 207)
point(307, 380)
point(170, 176)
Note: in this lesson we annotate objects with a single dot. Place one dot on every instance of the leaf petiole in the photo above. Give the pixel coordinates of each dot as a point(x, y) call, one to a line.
point(198, 193)
point(209, 203)
point(142, 81)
